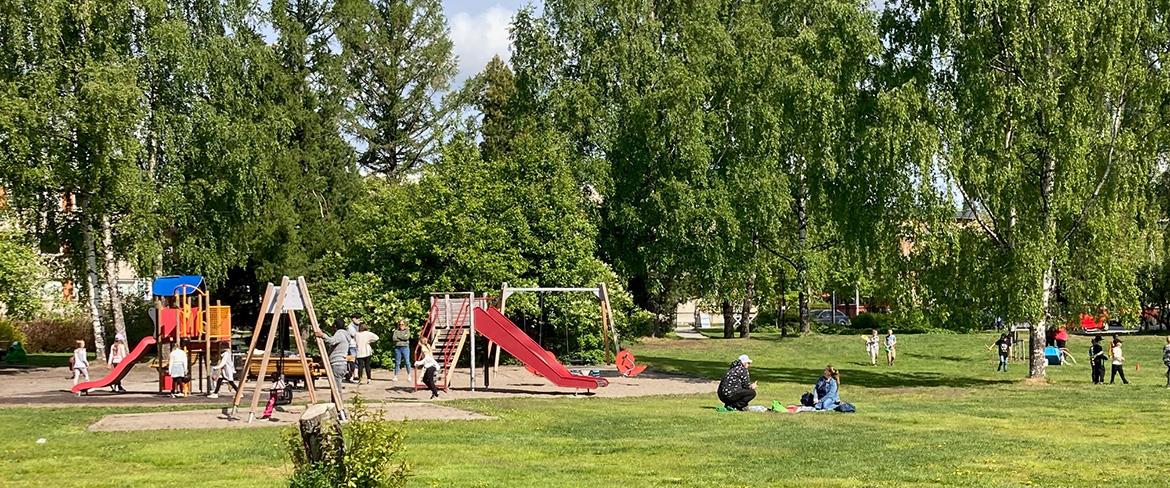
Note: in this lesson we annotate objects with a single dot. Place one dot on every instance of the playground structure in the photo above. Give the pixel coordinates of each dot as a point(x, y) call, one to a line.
point(457, 317)
point(284, 301)
point(184, 317)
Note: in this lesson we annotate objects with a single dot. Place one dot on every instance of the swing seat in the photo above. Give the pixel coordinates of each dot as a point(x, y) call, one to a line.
point(626, 364)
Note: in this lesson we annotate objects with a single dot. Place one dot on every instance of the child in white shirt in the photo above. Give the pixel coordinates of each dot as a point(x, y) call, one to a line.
point(80, 363)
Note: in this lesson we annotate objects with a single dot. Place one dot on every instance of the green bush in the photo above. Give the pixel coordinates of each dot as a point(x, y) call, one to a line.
point(371, 444)
point(10, 332)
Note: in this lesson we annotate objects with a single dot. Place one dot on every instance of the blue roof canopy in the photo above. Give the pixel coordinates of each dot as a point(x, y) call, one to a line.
point(167, 285)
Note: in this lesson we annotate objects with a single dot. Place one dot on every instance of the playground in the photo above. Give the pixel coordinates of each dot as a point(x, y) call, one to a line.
point(942, 414)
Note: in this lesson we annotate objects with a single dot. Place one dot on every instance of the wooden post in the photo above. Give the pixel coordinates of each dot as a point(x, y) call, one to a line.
point(296, 330)
point(264, 304)
point(321, 433)
point(496, 347)
point(206, 338)
point(617, 345)
point(334, 386)
point(273, 330)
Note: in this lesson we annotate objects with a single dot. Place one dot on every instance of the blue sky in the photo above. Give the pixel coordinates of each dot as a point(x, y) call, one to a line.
point(479, 30)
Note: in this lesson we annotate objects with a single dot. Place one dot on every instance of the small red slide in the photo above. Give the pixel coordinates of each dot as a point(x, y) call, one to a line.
point(121, 369)
point(500, 330)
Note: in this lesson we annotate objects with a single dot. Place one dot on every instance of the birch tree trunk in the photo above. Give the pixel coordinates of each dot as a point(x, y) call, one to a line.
point(91, 285)
point(1038, 363)
point(110, 265)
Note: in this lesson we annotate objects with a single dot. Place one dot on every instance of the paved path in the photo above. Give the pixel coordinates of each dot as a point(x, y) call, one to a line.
point(688, 333)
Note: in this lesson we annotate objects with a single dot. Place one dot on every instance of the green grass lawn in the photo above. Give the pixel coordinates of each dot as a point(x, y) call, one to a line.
point(942, 415)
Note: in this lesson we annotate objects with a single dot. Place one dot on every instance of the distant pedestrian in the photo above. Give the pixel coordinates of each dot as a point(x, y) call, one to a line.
point(891, 347)
point(401, 348)
point(365, 349)
point(1097, 359)
point(1118, 363)
point(80, 363)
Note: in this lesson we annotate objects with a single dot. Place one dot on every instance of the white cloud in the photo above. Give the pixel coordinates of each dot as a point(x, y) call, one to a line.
point(478, 37)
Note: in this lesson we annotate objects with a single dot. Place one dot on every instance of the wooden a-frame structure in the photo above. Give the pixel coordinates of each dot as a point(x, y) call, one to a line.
point(286, 299)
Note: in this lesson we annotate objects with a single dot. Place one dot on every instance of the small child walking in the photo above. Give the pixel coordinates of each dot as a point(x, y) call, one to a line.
point(871, 346)
point(273, 393)
point(891, 347)
point(80, 362)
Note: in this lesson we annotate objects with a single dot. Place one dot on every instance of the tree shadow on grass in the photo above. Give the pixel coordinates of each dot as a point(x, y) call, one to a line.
point(866, 376)
point(956, 359)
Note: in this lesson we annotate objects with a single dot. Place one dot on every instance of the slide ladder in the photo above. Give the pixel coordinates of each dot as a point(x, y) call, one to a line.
point(447, 329)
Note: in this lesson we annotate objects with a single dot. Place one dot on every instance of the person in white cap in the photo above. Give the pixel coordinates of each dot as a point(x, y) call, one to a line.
point(118, 352)
point(737, 389)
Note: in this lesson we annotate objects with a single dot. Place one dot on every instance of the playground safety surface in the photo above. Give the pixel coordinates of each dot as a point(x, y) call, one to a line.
point(49, 387)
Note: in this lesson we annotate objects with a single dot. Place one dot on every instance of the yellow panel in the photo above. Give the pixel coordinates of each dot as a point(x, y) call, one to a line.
point(220, 319)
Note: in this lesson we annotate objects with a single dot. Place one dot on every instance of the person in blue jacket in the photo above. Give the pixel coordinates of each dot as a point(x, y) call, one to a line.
point(826, 389)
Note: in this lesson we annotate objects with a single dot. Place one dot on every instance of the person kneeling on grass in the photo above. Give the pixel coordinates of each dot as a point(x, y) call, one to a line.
point(736, 389)
point(825, 392)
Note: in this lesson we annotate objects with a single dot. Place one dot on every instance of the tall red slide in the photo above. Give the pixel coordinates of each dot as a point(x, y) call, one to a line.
point(121, 369)
point(500, 330)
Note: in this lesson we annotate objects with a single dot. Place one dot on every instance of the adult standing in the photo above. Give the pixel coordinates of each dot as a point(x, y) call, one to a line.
point(737, 389)
point(355, 322)
point(338, 345)
point(1097, 360)
point(401, 348)
point(365, 349)
point(118, 352)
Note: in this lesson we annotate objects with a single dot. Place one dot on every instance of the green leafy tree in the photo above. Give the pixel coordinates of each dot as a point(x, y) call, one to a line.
point(1052, 117)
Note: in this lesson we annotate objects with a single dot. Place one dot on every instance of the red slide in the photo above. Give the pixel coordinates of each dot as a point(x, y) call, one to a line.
point(121, 369)
point(500, 330)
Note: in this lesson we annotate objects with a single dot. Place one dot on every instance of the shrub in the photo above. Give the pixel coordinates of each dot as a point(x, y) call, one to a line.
point(370, 446)
point(55, 334)
point(10, 332)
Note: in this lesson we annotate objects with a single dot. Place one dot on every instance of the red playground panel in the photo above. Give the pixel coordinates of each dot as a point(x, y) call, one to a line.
point(169, 318)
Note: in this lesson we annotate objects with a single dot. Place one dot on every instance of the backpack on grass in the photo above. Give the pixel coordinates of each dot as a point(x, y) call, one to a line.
point(846, 407)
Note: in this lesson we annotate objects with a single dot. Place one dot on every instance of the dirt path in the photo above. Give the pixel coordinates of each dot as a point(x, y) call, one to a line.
point(218, 418)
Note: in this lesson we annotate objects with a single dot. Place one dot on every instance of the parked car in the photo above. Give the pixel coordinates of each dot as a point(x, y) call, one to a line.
point(829, 317)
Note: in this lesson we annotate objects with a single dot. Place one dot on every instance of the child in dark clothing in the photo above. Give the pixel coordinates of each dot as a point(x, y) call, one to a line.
point(1097, 360)
point(736, 389)
point(1003, 345)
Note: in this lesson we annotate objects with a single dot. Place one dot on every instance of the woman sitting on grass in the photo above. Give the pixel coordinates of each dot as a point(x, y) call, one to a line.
point(736, 389)
point(825, 393)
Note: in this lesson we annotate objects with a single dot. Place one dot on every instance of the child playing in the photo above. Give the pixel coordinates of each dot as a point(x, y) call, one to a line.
point(178, 371)
point(891, 347)
point(80, 362)
point(273, 393)
point(226, 369)
point(871, 346)
point(428, 364)
point(118, 352)
point(1003, 345)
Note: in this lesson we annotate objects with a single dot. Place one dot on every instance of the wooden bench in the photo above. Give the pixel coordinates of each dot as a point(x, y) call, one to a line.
point(291, 367)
